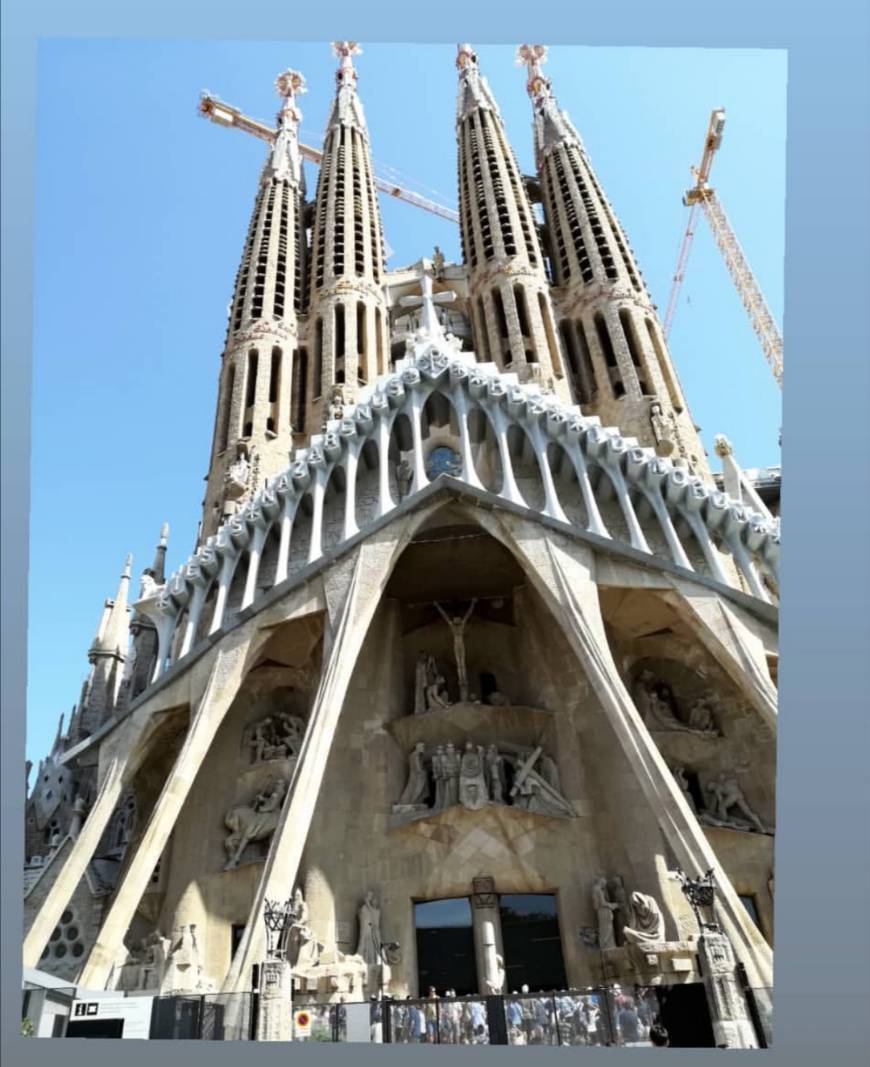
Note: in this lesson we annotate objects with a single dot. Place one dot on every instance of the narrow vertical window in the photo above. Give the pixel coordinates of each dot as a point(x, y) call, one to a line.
point(666, 368)
point(634, 349)
point(339, 343)
point(228, 407)
point(500, 316)
point(300, 386)
point(379, 327)
point(586, 367)
point(522, 310)
point(251, 390)
point(361, 345)
point(482, 344)
point(552, 343)
point(316, 384)
point(275, 376)
point(606, 343)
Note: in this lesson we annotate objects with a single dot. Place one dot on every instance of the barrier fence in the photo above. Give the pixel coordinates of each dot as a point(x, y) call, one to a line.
point(597, 1016)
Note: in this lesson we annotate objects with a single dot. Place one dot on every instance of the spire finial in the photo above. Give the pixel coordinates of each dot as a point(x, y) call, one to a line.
point(164, 535)
point(289, 83)
point(465, 56)
point(128, 563)
point(345, 50)
point(532, 56)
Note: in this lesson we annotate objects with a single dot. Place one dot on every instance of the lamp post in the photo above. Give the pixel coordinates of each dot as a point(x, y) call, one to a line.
point(277, 918)
point(701, 894)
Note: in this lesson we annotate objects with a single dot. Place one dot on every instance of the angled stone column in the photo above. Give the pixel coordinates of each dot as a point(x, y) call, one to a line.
point(108, 795)
point(353, 591)
point(740, 652)
point(220, 690)
point(563, 574)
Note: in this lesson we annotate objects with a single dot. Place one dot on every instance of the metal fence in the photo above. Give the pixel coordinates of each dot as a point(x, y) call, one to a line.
point(204, 1017)
point(595, 1016)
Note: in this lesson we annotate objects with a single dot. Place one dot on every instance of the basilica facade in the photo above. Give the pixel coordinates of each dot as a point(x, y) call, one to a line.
point(473, 664)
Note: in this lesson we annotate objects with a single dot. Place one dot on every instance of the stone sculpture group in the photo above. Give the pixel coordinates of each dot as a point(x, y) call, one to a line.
point(658, 708)
point(639, 921)
point(474, 776)
point(277, 736)
point(723, 796)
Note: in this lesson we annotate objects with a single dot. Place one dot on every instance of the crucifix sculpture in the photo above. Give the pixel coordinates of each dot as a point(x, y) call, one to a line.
point(457, 624)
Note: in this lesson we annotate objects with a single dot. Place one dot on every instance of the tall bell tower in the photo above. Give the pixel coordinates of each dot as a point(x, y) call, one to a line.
point(619, 362)
point(512, 315)
point(348, 330)
point(254, 421)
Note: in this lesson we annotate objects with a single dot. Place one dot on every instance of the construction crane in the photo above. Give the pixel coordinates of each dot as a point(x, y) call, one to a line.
point(226, 115)
point(702, 195)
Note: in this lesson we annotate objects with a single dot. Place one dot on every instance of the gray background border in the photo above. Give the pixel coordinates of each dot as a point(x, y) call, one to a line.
point(823, 860)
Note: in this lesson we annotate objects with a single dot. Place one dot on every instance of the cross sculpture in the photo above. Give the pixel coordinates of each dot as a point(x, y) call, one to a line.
point(426, 301)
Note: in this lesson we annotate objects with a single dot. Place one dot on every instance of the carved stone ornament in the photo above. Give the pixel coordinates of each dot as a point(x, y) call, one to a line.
point(253, 822)
point(276, 737)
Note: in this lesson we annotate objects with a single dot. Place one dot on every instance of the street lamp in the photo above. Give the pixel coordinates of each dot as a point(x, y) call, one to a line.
point(277, 918)
point(700, 893)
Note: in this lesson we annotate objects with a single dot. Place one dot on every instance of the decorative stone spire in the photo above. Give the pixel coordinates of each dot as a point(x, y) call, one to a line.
point(474, 91)
point(347, 109)
point(261, 361)
point(620, 366)
point(509, 295)
point(347, 333)
point(285, 162)
point(106, 656)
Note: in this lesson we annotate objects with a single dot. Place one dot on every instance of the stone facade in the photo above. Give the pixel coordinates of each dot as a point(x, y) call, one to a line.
point(467, 636)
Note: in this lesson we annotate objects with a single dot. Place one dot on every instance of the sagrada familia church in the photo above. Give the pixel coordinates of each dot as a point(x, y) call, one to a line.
point(473, 667)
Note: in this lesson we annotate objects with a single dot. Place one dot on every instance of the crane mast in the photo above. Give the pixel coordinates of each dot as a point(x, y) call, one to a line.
point(704, 196)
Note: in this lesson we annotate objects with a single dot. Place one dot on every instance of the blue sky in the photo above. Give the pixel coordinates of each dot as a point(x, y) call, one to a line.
point(140, 213)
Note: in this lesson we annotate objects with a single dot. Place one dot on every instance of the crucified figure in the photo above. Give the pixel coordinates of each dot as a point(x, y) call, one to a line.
point(457, 626)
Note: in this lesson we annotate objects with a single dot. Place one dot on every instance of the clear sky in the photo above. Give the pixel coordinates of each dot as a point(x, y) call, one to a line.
point(140, 214)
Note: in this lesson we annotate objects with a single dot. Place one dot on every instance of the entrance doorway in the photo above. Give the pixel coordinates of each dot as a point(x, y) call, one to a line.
point(445, 946)
point(685, 1014)
point(532, 944)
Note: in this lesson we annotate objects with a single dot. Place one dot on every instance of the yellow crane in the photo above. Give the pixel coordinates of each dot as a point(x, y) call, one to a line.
point(704, 196)
point(225, 115)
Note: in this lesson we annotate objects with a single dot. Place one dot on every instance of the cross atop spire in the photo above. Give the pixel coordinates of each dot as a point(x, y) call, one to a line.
point(533, 55)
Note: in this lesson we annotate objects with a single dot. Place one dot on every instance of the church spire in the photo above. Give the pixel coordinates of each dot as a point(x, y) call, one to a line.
point(620, 366)
point(106, 655)
point(254, 424)
point(508, 287)
point(348, 335)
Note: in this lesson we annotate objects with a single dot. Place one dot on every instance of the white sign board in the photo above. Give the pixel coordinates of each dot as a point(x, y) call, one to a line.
point(135, 1012)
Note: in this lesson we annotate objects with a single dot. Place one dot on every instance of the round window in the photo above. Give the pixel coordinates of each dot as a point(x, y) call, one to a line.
point(67, 917)
point(72, 932)
point(55, 933)
point(78, 949)
point(60, 950)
